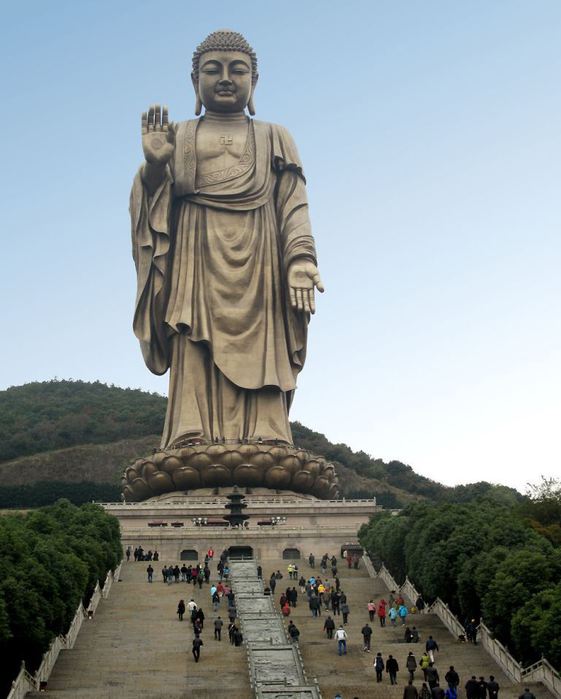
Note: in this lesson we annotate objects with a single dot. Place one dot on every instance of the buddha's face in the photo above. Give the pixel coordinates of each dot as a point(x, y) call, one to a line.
point(224, 83)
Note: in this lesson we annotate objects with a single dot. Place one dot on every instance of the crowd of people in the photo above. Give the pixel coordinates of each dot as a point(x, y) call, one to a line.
point(140, 555)
point(199, 574)
point(423, 679)
point(325, 598)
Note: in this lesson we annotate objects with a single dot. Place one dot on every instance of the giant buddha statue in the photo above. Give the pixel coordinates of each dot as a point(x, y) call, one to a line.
point(227, 270)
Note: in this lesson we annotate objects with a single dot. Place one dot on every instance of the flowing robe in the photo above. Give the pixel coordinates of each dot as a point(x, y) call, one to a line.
point(212, 254)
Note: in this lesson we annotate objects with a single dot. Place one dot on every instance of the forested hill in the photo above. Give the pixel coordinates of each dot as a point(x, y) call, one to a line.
point(74, 431)
point(40, 417)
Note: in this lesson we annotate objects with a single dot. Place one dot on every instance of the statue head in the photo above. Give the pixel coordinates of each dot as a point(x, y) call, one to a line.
point(224, 73)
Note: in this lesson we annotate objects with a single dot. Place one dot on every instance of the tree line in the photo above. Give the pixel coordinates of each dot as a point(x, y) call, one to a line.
point(50, 559)
point(488, 559)
point(42, 493)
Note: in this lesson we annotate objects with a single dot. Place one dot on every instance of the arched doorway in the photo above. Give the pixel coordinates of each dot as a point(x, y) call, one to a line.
point(240, 552)
point(291, 554)
point(189, 555)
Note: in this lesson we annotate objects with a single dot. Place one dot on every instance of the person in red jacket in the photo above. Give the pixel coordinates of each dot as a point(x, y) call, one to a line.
point(382, 604)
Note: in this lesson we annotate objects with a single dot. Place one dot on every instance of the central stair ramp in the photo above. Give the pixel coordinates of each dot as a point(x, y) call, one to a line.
point(276, 670)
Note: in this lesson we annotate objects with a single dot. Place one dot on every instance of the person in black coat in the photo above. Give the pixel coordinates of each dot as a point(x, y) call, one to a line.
point(197, 643)
point(493, 688)
point(472, 688)
point(366, 632)
point(392, 668)
point(452, 677)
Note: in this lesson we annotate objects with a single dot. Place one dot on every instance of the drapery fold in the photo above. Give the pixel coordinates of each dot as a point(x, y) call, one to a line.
point(212, 254)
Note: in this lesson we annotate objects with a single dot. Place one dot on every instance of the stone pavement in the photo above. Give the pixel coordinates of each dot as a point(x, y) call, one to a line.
point(353, 674)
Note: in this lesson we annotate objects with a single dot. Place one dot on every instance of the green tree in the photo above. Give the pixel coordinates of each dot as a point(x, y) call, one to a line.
point(535, 627)
point(521, 575)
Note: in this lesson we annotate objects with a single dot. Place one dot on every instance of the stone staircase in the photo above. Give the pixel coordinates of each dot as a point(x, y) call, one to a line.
point(136, 647)
point(353, 675)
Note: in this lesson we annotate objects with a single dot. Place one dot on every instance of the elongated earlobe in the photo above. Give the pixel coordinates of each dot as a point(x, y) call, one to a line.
point(251, 106)
point(198, 106)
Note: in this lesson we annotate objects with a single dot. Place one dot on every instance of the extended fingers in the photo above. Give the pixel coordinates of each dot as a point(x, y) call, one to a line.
point(311, 301)
point(302, 299)
point(317, 281)
point(305, 300)
point(299, 299)
point(156, 120)
point(144, 122)
point(292, 292)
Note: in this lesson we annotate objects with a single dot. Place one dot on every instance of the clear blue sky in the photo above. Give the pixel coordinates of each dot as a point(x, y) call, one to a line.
point(430, 135)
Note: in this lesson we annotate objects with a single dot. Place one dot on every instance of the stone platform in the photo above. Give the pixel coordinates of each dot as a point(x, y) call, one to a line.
point(286, 524)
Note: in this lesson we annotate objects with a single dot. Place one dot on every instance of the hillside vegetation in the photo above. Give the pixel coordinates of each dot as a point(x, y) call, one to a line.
point(76, 433)
point(40, 417)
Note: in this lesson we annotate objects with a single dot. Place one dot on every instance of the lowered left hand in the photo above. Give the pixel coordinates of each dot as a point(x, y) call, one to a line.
point(303, 278)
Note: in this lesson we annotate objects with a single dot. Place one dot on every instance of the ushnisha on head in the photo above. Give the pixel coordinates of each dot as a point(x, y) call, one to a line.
point(224, 73)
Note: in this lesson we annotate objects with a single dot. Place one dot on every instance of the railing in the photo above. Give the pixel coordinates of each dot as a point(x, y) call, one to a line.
point(111, 577)
point(495, 648)
point(447, 617)
point(368, 566)
point(140, 532)
point(75, 626)
point(542, 671)
point(51, 656)
point(387, 578)
point(406, 590)
point(409, 591)
point(95, 599)
point(25, 682)
point(256, 502)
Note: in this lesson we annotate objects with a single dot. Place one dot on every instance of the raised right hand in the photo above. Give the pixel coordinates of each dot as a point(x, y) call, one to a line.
point(158, 136)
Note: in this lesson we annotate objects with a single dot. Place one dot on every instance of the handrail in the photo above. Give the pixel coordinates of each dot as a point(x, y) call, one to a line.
point(541, 671)
point(25, 682)
point(221, 499)
point(447, 617)
point(368, 565)
point(75, 626)
point(510, 666)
